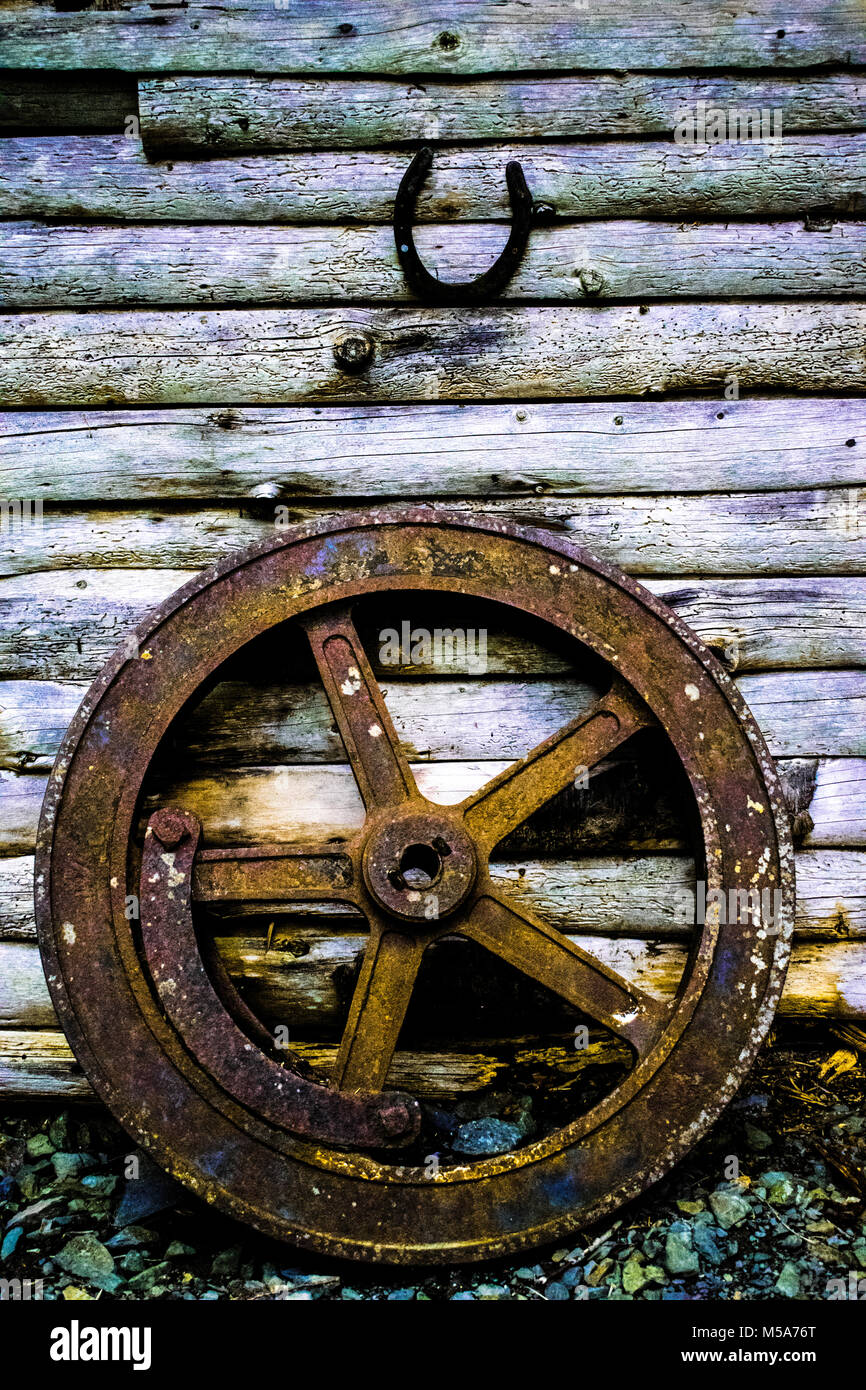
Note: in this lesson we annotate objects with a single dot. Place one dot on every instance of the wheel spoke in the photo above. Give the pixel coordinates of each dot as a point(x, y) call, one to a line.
point(542, 952)
point(509, 799)
point(378, 1008)
point(381, 770)
point(275, 873)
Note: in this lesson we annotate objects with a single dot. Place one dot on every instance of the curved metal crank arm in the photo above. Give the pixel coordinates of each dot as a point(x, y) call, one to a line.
point(519, 937)
point(486, 286)
point(193, 1005)
point(381, 769)
point(509, 799)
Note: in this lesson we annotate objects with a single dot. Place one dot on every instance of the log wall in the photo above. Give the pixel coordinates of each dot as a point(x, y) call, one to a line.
point(194, 212)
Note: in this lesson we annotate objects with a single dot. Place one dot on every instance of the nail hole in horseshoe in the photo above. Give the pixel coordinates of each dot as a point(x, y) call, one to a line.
point(483, 287)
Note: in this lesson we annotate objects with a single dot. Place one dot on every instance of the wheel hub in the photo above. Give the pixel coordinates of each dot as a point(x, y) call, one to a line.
point(420, 866)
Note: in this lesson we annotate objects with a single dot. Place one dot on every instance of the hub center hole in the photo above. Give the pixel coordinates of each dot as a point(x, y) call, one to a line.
point(420, 866)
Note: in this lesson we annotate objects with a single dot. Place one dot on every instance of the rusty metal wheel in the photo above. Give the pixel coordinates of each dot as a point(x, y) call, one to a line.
point(188, 1069)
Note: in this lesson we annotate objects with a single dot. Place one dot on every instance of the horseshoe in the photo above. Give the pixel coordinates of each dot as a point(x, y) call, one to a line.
point(494, 280)
point(330, 1161)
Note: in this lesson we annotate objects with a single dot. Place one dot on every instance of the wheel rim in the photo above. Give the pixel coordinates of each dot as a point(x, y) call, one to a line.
point(351, 1204)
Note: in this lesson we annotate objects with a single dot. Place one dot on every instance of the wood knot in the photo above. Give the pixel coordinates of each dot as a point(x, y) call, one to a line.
point(355, 353)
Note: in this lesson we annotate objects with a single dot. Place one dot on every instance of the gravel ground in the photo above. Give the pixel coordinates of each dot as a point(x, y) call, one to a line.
point(771, 1205)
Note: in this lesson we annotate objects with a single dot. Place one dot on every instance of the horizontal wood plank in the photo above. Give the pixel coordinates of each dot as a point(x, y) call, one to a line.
point(753, 624)
point(65, 624)
point(274, 356)
point(73, 103)
point(452, 37)
point(238, 727)
point(600, 896)
point(802, 715)
point(486, 451)
point(755, 534)
point(222, 115)
point(838, 804)
point(38, 1064)
point(17, 920)
point(109, 177)
point(85, 266)
point(824, 981)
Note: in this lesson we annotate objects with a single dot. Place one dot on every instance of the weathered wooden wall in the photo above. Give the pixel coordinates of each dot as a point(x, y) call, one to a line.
point(196, 209)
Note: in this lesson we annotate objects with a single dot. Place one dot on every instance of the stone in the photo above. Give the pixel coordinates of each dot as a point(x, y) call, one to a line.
point(39, 1146)
point(598, 1272)
point(704, 1243)
point(10, 1241)
point(178, 1251)
point(401, 1295)
point(492, 1291)
point(634, 1276)
point(520, 1115)
point(788, 1282)
point(729, 1207)
point(758, 1139)
point(70, 1165)
point(773, 1176)
point(781, 1193)
point(557, 1292)
point(150, 1192)
point(680, 1258)
point(87, 1258)
point(30, 1178)
point(489, 1136)
point(691, 1208)
point(827, 1254)
point(100, 1184)
point(148, 1279)
point(131, 1237)
point(226, 1263)
point(60, 1131)
point(34, 1215)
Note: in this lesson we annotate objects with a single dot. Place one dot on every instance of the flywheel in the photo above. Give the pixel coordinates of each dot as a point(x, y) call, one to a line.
point(335, 1158)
